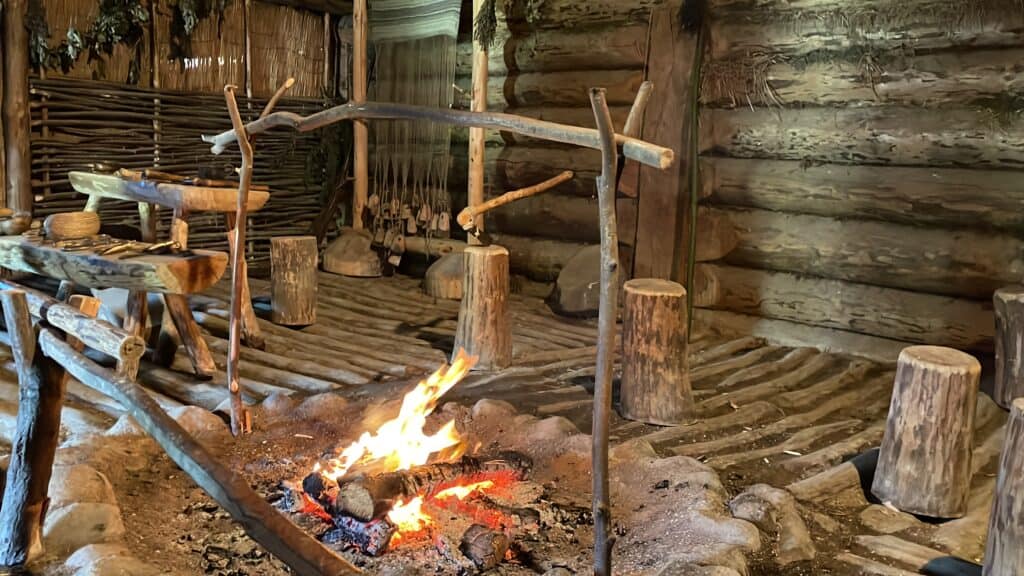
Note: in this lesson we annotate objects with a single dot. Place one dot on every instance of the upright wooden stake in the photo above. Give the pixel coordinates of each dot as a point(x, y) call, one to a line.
point(40, 399)
point(16, 109)
point(362, 151)
point(476, 135)
point(655, 380)
point(3, 148)
point(1004, 552)
point(924, 464)
point(239, 415)
point(293, 280)
point(484, 329)
point(1009, 310)
point(603, 539)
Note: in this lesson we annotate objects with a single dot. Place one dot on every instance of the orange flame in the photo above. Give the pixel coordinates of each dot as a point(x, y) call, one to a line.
point(400, 443)
point(461, 492)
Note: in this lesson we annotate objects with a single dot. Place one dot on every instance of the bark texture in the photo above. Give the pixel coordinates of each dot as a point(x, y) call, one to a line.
point(484, 329)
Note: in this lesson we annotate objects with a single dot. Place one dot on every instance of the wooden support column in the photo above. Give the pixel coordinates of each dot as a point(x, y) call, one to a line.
point(1004, 552)
point(484, 329)
point(40, 397)
point(476, 135)
point(655, 377)
point(3, 148)
point(16, 109)
point(359, 132)
point(250, 323)
point(293, 280)
point(924, 465)
point(137, 308)
point(1008, 304)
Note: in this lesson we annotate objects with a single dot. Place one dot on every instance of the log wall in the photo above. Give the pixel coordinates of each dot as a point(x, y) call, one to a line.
point(867, 157)
point(546, 57)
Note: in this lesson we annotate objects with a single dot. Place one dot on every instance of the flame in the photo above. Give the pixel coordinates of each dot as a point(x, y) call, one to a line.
point(400, 443)
point(462, 492)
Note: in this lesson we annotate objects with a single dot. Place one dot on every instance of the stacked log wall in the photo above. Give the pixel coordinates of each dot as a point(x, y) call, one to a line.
point(867, 155)
point(545, 58)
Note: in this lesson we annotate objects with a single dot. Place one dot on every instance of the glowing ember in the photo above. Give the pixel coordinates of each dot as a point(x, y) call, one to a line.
point(400, 443)
point(409, 517)
point(461, 492)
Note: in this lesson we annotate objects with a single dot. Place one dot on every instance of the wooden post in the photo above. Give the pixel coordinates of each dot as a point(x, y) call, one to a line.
point(40, 399)
point(250, 323)
point(1008, 304)
point(16, 109)
point(484, 329)
point(607, 308)
point(924, 465)
point(1004, 552)
point(3, 148)
point(293, 280)
point(359, 133)
point(476, 135)
point(655, 377)
point(180, 313)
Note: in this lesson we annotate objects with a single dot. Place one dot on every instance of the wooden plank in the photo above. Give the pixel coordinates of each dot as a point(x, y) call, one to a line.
point(866, 309)
point(177, 196)
point(888, 135)
point(173, 274)
point(932, 260)
point(921, 196)
point(661, 215)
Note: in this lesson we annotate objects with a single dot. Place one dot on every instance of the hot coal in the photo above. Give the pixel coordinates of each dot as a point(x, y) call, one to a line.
point(371, 538)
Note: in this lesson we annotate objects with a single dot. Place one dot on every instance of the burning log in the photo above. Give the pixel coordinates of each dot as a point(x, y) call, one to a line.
point(371, 537)
point(485, 547)
point(367, 498)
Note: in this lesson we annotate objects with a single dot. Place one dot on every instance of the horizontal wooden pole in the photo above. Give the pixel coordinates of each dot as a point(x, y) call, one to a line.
point(95, 333)
point(537, 258)
point(300, 551)
point(862, 308)
point(929, 260)
point(889, 135)
point(918, 196)
point(562, 88)
point(644, 152)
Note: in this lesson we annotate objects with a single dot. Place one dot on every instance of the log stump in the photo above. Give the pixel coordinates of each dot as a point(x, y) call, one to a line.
point(1004, 551)
point(293, 280)
point(655, 376)
point(924, 465)
point(1009, 309)
point(484, 329)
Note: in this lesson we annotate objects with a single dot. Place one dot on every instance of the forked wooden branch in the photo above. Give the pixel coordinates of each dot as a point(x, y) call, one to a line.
point(603, 539)
point(633, 148)
point(300, 551)
point(468, 214)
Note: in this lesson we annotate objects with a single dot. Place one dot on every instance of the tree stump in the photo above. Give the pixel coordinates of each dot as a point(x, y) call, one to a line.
point(1009, 309)
point(1004, 552)
point(293, 280)
point(484, 329)
point(655, 376)
point(924, 465)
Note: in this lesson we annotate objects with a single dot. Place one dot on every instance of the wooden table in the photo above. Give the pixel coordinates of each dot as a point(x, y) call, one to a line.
point(183, 199)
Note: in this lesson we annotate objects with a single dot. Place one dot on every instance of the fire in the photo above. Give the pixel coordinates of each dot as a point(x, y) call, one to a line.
point(400, 443)
point(461, 492)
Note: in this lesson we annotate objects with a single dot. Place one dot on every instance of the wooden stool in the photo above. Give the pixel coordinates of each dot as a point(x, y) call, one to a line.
point(655, 376)
point(1009, 309)
point(924, 465)
point(484, 329)
point(1004, 552)
point(293, 281)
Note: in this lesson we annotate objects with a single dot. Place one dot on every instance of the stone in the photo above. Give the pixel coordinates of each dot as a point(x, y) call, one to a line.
point(558, 572)
point(278, 404)
point(632, 450)
point(79, 483)
point(488, 408)
point(351, 254)
point(677, 568)
point(774, 511)
point(76, 525)
point(326, 406)
point(886, 520)
point(125, 426)
point(578, 288)
point(553, 428)
point(198, 421)
point(118, 566)
point(93, 553)
point(445, 276)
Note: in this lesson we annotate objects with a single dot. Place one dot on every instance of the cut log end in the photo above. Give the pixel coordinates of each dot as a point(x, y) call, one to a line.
point(485, 547)
point(1004, 552)
point(941, 359)
point(1008, 304)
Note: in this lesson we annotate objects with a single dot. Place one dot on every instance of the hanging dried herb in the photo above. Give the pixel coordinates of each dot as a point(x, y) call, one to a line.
point(185, 16)
point(117, 22)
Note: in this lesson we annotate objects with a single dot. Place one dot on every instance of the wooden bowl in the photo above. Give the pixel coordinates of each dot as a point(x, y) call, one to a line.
point(67, 225)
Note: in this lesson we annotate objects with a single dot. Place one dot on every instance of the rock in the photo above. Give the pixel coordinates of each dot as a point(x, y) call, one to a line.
point(553, 428)
point(351, 254)
point(118, 566)
point(125, 426)
point(79, 483)
point(326, 406)
point(198, 421)
point(277, 405)
point(578, 288)
point(632, 450)
point(558, 572)
point(677, 568)
point(488, 408)
point(445, 276)
point(76, 525)
point(886, 520)
point(774, 511)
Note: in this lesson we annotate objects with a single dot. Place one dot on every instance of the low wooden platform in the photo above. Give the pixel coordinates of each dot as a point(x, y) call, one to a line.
point(790, 417)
